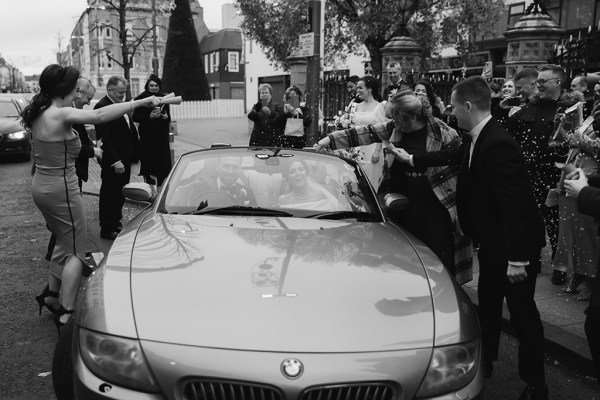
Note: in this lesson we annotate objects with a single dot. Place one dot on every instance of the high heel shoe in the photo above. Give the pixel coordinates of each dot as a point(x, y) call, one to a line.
point(574, 282)
point(61, 311)
point(41, 300)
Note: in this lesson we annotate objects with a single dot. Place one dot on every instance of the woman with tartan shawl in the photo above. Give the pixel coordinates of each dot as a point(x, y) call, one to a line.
point(431, 214)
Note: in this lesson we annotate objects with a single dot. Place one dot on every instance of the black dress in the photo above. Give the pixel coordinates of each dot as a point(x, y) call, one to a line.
point(425, 217)
point(154, 140)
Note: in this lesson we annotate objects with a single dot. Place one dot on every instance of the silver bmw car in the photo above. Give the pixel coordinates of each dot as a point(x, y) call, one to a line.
point(268, 274)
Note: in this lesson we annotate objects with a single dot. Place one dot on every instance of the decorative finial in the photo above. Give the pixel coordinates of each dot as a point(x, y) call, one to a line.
point(537, 7)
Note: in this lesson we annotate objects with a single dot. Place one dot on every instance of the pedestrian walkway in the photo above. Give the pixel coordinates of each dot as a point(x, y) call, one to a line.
point(562, 316)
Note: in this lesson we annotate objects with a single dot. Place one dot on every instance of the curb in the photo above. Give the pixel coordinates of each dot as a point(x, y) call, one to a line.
point(566, 347)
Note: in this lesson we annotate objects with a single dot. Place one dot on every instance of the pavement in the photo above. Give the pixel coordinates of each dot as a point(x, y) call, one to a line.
point(562, 316)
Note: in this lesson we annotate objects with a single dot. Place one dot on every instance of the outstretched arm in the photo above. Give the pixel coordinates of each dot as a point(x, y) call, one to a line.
point(105, 114)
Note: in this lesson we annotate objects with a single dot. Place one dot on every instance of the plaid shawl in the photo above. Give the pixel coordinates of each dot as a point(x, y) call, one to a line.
point(442, 179)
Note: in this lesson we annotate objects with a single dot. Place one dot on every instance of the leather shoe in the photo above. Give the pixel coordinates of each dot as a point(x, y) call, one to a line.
point(488, 368)
point(109, 235)
point(534, 393)
point(558, 277)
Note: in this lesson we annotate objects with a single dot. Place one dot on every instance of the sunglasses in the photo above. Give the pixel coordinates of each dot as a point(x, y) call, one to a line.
point(542, 82)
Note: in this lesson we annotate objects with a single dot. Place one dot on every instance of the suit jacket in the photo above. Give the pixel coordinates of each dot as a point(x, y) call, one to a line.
point(86, 152)
point(242, 194)
point(494, 195)
point(120, 140)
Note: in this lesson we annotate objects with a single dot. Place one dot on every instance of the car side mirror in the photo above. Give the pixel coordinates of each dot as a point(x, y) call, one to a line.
point(395, 201)
point(139, 191)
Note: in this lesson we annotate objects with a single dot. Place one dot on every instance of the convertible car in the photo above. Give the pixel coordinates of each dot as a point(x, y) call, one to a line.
point(268, 274)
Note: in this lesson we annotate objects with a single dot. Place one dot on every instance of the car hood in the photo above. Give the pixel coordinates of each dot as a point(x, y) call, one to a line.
point(10, 125)
point(279, 284)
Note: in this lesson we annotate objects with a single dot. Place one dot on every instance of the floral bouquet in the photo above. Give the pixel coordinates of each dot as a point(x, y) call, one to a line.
point(345, 119)
point(353, 153)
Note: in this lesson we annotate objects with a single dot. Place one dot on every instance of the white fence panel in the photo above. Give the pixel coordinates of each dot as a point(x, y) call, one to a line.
point(219, 108)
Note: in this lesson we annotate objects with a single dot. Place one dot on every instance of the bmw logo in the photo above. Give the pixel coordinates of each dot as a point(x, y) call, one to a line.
point(292, 368)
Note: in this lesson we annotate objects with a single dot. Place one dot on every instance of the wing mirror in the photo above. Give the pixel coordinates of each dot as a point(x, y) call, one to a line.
point(139, 191)
point(395, 201)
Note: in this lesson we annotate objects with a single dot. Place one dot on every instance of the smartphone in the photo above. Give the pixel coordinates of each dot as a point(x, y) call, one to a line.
point(294, 102)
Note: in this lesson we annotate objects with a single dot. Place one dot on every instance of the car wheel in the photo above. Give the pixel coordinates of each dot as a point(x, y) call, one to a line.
point(62, 363)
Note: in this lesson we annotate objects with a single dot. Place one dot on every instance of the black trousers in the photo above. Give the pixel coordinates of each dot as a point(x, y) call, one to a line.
point(112, 199)
point(524, 316)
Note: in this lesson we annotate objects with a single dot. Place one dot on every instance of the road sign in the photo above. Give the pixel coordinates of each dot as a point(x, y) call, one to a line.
point(307, 44)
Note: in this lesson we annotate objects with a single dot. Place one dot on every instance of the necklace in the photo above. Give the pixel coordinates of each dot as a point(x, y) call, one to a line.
point(301, 198)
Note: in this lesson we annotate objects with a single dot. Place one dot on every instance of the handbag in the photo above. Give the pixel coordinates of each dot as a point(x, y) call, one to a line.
point(294, 127)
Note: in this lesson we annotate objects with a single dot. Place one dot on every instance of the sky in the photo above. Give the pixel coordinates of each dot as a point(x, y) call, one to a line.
point(30, 29)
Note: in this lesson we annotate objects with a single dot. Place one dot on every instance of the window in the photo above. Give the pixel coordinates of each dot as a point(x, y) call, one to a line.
point(211, 64)
point(206, 64)
point(217, 61)
point(107, 30)
point(107, 60)
point(135, 87)
point(233, 61)
point(515, 11)
point(129, 31)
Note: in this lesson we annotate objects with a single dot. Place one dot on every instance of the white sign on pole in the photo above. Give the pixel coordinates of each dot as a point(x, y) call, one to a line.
point(307, 44)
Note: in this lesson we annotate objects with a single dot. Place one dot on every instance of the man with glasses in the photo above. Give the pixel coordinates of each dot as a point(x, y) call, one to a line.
point(532, 126)
point(119, 146)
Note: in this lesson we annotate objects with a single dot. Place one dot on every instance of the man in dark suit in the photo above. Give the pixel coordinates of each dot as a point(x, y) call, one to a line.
point(228, 180)
point(496, 207)
point(587, 192)
point(119, 145)
point(85, 94)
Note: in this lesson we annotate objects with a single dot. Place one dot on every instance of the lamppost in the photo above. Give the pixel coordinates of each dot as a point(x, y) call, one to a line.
point(154, 49)
point(404, 7)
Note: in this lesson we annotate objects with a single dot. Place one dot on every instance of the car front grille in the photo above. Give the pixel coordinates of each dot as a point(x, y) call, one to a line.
point(203, 389)
point(358, 391)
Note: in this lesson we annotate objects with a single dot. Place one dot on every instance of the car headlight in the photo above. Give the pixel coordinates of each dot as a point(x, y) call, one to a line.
point(450, 368)
point(117, 360)
point(17, 135)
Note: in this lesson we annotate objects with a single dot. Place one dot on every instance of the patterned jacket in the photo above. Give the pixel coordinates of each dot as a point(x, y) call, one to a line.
point(442, 179)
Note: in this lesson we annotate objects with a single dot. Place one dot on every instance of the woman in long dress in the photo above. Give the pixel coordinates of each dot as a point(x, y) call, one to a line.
point(370, 111)
point(154, 135)
point(55, 190)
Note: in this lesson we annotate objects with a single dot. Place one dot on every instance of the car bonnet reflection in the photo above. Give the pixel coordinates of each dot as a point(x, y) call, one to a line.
point(264, 274)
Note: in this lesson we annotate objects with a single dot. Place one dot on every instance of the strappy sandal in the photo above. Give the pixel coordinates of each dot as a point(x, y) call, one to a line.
point(41, 299)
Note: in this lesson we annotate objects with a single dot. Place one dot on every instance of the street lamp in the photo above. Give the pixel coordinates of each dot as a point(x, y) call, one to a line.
point(404, 7)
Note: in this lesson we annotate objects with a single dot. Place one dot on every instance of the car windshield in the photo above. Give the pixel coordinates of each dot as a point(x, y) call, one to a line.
point(269, 182)
point(8, 109)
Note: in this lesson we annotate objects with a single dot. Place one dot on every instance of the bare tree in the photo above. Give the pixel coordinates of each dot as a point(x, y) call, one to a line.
point(134, 29)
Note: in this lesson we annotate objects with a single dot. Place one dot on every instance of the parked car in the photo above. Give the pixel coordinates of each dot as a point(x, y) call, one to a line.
point(14, 138)
point(262, 273)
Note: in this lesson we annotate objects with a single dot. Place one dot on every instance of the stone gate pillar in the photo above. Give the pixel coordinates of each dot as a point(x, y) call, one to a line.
point(407, 52)
point(532, 40)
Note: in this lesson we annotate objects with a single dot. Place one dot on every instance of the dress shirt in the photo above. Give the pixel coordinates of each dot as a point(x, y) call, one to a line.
point(475, 134)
